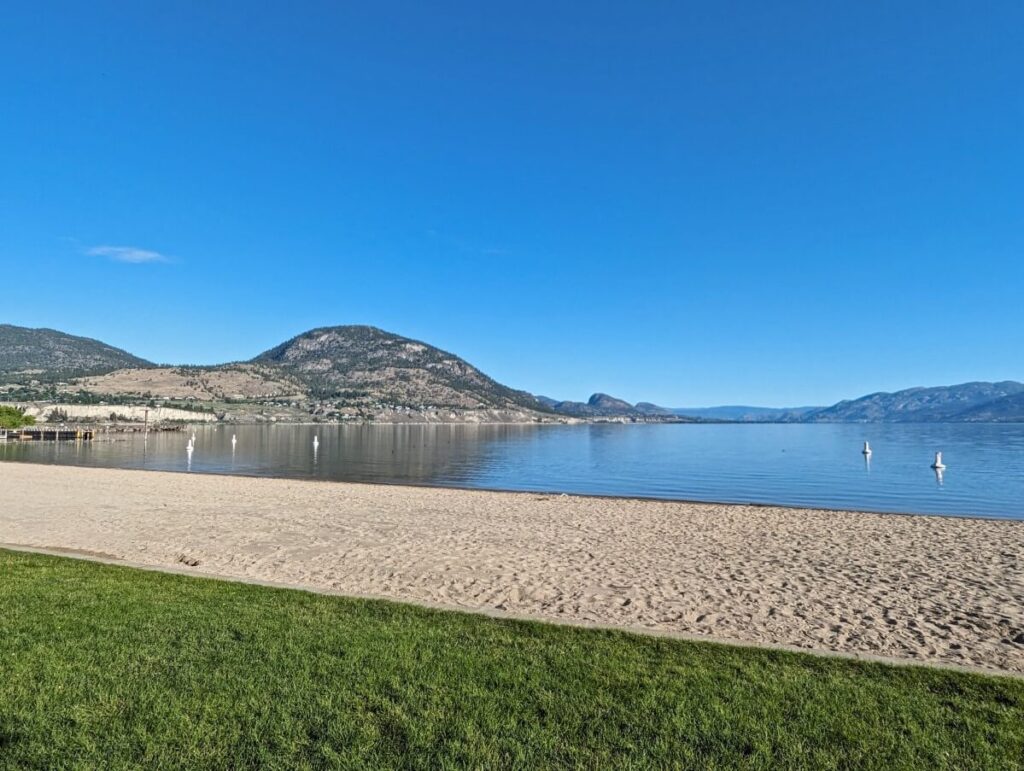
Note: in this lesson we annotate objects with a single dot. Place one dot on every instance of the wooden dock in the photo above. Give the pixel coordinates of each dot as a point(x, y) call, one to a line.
point(42, 434)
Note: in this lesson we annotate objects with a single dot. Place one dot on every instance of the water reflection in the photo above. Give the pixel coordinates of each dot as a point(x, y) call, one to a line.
point(805, 465)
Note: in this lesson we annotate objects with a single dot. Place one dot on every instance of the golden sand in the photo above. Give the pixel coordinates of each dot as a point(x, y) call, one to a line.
point(922, 588)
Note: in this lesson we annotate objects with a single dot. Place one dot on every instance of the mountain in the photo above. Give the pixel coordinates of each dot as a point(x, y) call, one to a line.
point(646, 408)
point(599, 405)
point(46, 354)
point(606, 404)
point(1009, 409)
point(360, 362)
point(967, 401)
point(746, 414)
point(603, 405)
point(363, 372)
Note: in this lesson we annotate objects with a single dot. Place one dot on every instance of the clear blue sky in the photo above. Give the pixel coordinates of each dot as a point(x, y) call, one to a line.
point(688, 203)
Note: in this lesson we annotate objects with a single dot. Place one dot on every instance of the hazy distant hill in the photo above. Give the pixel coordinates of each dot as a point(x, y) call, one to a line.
point(748, 414)
point(47, 354)
point(600, 405)
point(646, 408)
point(603, 405)
point(362, 360)
point(1009, 409)
point(967, 401)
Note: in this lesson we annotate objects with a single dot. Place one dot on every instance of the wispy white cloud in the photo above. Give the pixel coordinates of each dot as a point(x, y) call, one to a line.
point(130, 254)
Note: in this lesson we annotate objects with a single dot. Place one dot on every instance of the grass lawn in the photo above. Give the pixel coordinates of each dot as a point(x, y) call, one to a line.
point(111, 667)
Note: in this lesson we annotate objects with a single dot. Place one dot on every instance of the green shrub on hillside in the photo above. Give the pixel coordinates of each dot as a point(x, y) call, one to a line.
point(14, 417)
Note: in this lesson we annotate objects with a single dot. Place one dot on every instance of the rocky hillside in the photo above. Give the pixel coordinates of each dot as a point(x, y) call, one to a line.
point(237, 382)
point(1008, 409)
point(361, 362)
point(967, 401)
point(601, 405)
point(46, 354)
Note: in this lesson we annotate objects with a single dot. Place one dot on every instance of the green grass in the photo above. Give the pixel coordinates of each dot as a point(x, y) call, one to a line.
point(110, 667)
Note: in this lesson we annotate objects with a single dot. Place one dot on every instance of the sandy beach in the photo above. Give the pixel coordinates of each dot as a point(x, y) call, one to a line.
point(930, 589)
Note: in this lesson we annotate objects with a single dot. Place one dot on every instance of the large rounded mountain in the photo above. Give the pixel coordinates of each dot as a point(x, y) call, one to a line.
point(363, 361)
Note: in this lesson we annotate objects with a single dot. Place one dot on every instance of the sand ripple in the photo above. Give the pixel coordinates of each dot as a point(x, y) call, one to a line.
point(924, 588)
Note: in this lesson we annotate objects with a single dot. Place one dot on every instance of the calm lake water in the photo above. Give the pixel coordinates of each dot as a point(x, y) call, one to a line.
point(800, 465)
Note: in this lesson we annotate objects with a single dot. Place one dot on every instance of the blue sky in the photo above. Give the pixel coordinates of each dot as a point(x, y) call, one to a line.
point(767, 203)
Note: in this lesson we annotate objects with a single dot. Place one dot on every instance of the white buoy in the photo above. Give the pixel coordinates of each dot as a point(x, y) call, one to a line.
point(316, 442)
point(867, 449)
point(234, 441)
point(190, 446)
point(938, 465)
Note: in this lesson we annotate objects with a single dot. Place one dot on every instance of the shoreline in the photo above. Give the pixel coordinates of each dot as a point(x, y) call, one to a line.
point(930, 589)
point(538, 491)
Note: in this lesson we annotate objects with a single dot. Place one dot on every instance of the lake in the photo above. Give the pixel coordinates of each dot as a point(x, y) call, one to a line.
point(797, 465)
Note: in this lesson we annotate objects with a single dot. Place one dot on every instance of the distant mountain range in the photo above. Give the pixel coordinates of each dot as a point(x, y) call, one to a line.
point(967, 402)
point(964, 403)
point(365, 369)
point(603, 405)
point(745, 414)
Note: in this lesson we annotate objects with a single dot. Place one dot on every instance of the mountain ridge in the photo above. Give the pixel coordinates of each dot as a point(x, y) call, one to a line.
point(27, 351)
point(364, 369)
point(924, 404)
